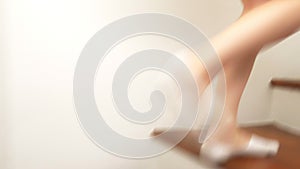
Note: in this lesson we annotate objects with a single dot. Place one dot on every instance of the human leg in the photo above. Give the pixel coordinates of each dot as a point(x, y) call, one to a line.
point(237, 48)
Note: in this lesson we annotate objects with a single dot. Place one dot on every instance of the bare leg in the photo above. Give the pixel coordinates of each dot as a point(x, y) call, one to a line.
point(236, 73)
point(262, 23)
point(260, 26)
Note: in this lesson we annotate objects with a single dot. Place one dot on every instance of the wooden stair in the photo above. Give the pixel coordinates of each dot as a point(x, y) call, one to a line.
point(287, 157)
point(286, 83)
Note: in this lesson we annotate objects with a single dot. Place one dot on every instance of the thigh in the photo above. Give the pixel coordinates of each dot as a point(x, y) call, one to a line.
point(261, 26)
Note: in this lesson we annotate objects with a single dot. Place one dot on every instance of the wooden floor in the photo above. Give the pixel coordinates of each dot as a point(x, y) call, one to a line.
point(288, 156)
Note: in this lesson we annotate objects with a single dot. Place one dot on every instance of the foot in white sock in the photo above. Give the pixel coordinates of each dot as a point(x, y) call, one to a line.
point(257, 147)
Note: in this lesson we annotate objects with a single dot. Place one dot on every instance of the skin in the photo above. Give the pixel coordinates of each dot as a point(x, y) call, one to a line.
point(262, 23)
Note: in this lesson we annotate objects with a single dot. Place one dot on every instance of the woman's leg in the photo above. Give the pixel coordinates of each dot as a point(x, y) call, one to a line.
point(263, 22)
point(237, 46)
point(237, 73)
point(260, 26)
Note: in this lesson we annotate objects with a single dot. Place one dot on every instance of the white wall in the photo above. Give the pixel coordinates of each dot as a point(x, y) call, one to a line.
point(4, 120)
point(262, 103)
point(285, 107)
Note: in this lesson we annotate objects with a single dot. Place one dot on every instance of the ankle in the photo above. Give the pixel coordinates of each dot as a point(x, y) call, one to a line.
point(227, 122)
